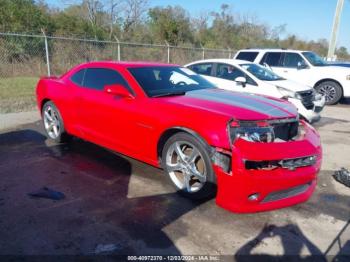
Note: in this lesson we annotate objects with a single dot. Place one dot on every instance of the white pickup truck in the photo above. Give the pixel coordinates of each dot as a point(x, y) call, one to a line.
point(304, 67)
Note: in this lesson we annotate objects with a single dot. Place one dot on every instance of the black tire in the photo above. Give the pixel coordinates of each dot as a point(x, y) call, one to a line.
point(332, 90)
point(208, 188)
point(61, 136)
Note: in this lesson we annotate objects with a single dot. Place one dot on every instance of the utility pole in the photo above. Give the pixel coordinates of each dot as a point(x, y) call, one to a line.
point(333, 40)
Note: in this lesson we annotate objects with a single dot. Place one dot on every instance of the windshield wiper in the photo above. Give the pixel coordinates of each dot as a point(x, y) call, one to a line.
point(171, 94)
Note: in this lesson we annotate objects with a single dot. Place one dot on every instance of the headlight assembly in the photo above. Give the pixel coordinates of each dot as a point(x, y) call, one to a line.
point(288, 93)
point(265, 131)
point(252, 132)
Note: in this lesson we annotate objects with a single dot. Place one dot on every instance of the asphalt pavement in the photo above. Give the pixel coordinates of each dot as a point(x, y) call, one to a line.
point(117, 205)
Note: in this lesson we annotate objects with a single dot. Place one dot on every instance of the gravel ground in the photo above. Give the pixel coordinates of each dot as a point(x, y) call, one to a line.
point(12, 120)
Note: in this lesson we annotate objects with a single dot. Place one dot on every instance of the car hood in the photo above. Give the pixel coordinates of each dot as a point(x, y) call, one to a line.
point(339, 64)
point(241, 106)
point(333, 70)
point(290, 85)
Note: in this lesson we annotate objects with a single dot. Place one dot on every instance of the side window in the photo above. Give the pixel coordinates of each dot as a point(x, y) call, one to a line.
point(97, 78)
point(228, 72)
point(292, 59)
point(202, 69)
point(247, 56)
point(272, 59)
point(78, 77)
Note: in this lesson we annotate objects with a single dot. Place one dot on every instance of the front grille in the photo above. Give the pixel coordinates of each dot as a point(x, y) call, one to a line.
point(285, 130)
point(290, 164)
point(283, 194)
point(307, 98)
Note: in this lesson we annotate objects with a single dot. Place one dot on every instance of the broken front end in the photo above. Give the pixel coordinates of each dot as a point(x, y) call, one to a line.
point(271, 164)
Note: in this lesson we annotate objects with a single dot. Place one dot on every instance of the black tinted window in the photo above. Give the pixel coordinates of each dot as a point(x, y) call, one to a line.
point(248, 56)
point(228, 72)
point(97, 78)
point(272, 59)
point(78, 77)
point(202, 69)
point(292, 60)
point(167, 80)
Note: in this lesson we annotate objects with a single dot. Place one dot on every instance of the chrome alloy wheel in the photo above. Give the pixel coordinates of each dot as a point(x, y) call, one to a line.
point(186, 166)
point(328, 91)
point(51, 122)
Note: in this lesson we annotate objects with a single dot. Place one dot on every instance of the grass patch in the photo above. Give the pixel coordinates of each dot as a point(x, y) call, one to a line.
point(17, 94)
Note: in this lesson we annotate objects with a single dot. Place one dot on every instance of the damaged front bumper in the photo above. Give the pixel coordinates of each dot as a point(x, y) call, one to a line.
point(265, 176)
point(310, 112)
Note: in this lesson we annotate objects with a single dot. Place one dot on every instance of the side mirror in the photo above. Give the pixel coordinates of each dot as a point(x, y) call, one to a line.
point(118, 90)
point(241, 80)
point(302, 65)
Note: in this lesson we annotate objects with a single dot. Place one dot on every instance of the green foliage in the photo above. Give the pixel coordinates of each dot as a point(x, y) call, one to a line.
point(65, 23)
point(343, 53)
point(171, 24)
point(136, 23)
point(22, 16)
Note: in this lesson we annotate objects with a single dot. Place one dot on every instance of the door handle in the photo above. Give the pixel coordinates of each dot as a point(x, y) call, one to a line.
point(285, 71)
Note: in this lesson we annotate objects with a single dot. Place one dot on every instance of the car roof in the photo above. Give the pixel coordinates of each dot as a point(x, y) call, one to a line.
point(126, 64)
point(221, 60)
point(270, 50)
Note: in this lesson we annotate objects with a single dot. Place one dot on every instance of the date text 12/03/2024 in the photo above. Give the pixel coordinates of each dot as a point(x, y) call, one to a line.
point(174, 258)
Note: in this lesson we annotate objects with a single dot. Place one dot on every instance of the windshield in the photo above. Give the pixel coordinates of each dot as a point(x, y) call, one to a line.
point(314, 59)
point(168, 80)
point(261, 72)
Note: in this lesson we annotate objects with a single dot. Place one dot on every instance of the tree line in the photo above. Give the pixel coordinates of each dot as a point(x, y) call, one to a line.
point(136, 21)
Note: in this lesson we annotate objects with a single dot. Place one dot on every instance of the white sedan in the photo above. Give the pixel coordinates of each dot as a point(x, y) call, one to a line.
point(243, 76)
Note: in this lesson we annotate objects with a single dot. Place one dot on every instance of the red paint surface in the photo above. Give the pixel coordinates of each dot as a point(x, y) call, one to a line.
point(134, 126)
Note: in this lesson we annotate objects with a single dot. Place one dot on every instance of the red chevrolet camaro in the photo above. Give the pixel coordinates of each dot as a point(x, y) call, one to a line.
point(252, 152)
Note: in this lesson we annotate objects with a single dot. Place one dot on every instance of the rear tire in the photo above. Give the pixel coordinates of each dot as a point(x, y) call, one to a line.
point(187, 163)
point(53, 123)
point(332, 91)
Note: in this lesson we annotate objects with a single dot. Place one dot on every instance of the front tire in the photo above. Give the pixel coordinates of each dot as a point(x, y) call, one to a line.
point(332, 91)
point(187, 163)
point(53, 123)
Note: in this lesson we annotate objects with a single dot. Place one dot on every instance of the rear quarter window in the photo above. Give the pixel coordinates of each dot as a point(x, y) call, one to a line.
point(97, 78)
point(247, 56)
point(78, 77)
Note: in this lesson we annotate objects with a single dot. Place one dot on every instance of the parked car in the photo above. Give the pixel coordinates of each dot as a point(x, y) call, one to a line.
point(243, 76)
point(304, 67)
point(253, 148)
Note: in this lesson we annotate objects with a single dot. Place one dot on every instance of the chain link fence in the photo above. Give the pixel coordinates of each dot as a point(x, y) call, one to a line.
point(25, 58)
point(37, 55)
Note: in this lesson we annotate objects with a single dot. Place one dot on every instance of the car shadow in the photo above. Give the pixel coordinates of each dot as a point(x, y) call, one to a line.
point(296, 246)
point(99, 180)
point(344, 101)
point(293, 242)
